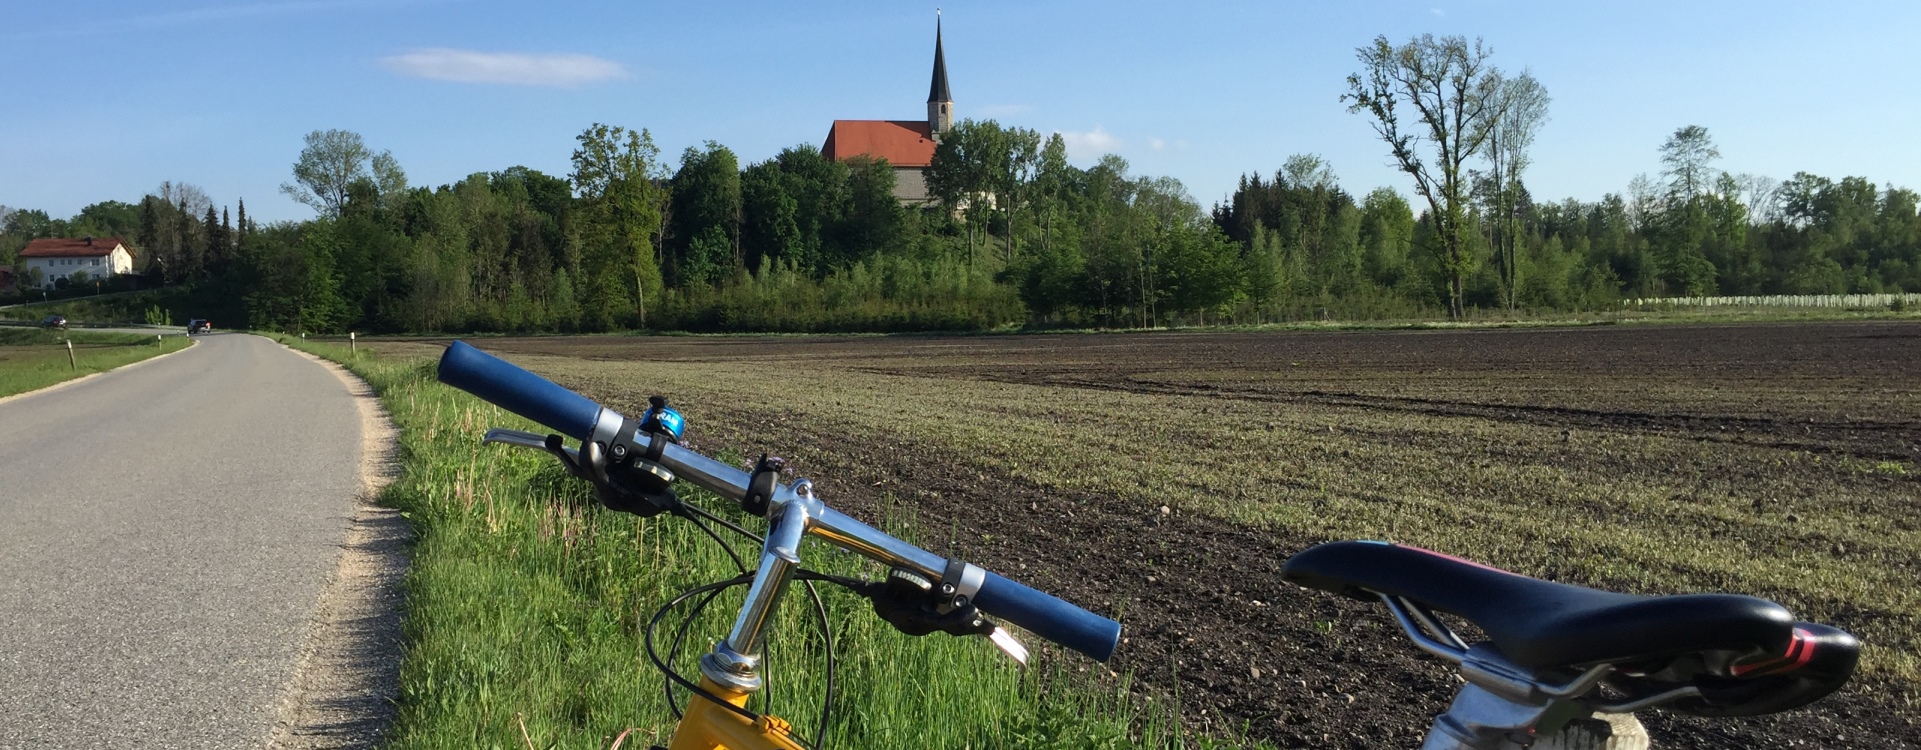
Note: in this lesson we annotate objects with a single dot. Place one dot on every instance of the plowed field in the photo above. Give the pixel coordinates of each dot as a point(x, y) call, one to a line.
point(1163, 479)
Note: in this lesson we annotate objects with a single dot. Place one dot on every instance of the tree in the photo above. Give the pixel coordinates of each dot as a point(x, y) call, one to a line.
point(330, 165)
point(32, 224)
point(1455, 94)
point(969, 163)
point(1387, 233)
point(1051, 178)
point(1519, 115)
point(872, 219)
point(706, 196)
point(1023, 161)
point(1201, 268)
point(616, 176)
point(1688, 158)
point(770, 228)
point(240, 227)
point(213, 251)
point(105, 219)
point(1310, 172)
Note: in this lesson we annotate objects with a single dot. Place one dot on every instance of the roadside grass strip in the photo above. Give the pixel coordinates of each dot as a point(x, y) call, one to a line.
point(526, 606)
point(31, 359)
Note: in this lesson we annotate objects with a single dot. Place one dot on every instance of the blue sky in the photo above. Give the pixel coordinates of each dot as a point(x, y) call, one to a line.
point(104, 99)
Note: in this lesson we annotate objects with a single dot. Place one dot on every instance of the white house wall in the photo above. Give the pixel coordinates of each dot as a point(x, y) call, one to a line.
point(97, 267)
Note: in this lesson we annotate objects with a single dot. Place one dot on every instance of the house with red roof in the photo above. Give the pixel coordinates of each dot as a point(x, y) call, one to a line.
point(98, 257)
point(907, 145)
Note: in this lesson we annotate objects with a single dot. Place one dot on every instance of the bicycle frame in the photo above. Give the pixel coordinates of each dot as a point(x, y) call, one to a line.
point(708, 726)
point(731, 670)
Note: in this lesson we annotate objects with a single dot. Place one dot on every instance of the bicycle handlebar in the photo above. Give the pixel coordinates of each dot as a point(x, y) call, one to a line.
point(502, 384)
point(1048, 616)
point(512, 388)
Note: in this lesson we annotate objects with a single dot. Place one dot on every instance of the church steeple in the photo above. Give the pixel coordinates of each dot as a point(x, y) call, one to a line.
point(940, 103)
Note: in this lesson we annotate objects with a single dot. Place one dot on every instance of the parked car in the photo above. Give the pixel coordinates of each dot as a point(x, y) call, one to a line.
point(54, 321)
point(199, 325)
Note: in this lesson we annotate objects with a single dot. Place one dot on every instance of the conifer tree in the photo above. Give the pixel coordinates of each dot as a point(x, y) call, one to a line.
point(211, 240)
point(240, 227)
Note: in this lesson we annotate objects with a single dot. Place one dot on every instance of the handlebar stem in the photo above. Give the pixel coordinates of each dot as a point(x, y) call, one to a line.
point(779, 558)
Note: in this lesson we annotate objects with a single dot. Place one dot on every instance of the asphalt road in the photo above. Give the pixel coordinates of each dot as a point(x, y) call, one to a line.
point(165, 532)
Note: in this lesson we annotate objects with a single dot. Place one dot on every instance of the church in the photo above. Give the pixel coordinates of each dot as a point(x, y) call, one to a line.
point(907, 145)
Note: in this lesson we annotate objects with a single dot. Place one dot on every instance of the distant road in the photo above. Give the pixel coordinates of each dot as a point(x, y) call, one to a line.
point(165, 532)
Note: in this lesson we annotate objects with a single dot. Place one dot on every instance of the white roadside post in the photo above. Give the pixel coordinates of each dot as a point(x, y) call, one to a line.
point(350, 342)
point(71, 362)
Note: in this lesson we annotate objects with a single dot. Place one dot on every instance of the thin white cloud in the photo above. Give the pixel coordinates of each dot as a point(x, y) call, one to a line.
point(469, 66)
point(1156, 144)
point(1438, 13)
point(1090, 144)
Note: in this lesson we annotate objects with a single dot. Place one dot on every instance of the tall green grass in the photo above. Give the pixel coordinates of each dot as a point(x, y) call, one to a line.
point(526, 604)
point(33, 358)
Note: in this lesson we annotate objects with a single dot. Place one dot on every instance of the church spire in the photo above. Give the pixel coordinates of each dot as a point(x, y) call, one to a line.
point(940, 103)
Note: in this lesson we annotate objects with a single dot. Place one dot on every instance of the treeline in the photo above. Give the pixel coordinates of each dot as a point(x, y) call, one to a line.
point(1014, 235)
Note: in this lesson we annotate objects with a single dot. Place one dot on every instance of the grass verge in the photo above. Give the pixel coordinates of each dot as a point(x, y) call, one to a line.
point(34, 358)
point(526, 607)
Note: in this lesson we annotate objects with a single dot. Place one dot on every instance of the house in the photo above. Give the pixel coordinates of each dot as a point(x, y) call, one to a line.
point(907, 145)
point(99, 257)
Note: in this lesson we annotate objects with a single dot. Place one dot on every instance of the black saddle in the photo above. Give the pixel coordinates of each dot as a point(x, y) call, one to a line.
point(1541, 624)
point(1742, 656)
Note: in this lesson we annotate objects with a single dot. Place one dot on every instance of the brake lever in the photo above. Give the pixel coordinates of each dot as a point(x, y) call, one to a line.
point(645, 490)
point(906, 600)
point(523, 439)
point(1006, 642)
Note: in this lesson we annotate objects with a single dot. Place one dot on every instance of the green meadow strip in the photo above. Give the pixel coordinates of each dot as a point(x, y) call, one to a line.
point(526, 606)
point(31, 359)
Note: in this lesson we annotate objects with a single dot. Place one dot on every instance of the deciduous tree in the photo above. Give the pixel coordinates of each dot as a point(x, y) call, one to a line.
point(332, 162)
point(1454, 94)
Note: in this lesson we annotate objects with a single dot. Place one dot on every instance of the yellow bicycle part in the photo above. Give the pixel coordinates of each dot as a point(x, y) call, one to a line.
point(708, 726)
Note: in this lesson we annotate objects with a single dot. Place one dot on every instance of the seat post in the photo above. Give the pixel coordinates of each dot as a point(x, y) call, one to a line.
point(1482, 720)
point(1504, 705)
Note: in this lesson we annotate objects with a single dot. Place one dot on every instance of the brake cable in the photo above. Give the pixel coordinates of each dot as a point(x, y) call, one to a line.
point(696, 515)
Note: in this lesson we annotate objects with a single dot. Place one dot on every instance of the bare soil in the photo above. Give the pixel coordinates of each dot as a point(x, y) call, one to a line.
point(1207, 621)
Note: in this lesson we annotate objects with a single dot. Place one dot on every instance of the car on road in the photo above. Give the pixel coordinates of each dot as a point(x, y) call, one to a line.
point(54, 321)
point(199, 325)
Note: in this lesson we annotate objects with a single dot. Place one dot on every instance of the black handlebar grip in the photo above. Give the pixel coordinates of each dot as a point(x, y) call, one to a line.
point(509, 387)
point(1048, 616)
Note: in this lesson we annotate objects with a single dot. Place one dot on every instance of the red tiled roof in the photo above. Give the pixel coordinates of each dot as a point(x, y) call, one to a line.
point(72, 248)
point(903, 143)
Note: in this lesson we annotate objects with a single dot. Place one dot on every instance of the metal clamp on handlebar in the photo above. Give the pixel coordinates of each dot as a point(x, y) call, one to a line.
point(958, 585)
point(627, 477)
point(761, 485)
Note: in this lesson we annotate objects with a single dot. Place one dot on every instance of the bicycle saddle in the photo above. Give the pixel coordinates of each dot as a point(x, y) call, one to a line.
point(1541, 624)
point(1738, 655)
